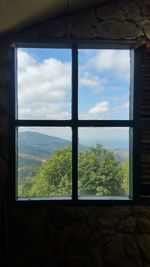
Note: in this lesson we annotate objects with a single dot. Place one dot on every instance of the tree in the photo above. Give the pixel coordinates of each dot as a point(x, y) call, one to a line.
point(125, 170)
point(100, 174)
point(53, 178)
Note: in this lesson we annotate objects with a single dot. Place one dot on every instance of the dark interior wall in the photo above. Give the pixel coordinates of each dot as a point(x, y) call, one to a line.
point(72, 236)
point(128, 20)
point(80, 236)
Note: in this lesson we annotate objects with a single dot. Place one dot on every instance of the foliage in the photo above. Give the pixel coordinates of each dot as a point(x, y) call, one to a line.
point(100, 174)
point(54, 177)
point(125, 169)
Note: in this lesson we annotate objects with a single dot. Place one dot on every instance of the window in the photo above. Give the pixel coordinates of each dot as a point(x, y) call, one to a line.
point(73, 123)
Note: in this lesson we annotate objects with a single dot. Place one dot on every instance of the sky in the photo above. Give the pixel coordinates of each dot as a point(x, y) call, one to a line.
point(44, 91)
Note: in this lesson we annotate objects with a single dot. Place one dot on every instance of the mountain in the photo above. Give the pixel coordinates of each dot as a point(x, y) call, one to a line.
point(39, 145)
point(34, 148)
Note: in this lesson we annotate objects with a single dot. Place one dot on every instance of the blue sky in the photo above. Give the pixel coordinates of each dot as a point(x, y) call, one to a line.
point(44, 90)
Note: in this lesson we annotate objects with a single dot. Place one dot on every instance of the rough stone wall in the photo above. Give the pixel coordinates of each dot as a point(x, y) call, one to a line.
point(125, 20)
point(80, 236)
point(5, 86)
point(73, 236)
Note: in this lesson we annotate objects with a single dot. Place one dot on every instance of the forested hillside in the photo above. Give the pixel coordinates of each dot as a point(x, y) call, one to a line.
point(45, 167)
point(33, 149)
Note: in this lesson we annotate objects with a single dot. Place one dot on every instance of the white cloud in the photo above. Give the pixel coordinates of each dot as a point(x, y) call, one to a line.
point(108, 109)
point(100, 107)
point(117, 61)
point(92, 81)
point(44, 92)
point(44, 89)
point(24, 60)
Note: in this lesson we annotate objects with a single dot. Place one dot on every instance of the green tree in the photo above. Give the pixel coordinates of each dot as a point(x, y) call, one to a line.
point(100, 174)
point(125, 180)
point(53, 178)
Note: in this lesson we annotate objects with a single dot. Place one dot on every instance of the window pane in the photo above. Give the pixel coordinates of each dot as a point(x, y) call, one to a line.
point(44, 162)
point(104, 84)
point(44, 83)
point(103, 162)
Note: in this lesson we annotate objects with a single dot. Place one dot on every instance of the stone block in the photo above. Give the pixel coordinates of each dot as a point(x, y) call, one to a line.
point(5, 53)
point(147, 30)
point(3, 176)
point(83, 25)
point(3, 127)
point(115, 253)
point(127, 225)
point(143, 226)
point(131, 9)
point(143, 22)
point(4, 101)
point(53, 28)
point(107, 12)
point(31, 33)
point(141, 211)
point(4, 148)
point(144, 244)
point(3, 168)
point(86, 17)
point(117, 212)
point(145, 10)
point(5, 74)
point(132, 249)
point(113, 29)
point(83, 31)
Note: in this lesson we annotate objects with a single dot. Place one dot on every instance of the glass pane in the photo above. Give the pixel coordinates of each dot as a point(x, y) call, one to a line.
point(44, 162)
point(103, 162)
point(104, 84)
point(44, 83)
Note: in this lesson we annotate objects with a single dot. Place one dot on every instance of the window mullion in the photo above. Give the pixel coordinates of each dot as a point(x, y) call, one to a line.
point(75, 123)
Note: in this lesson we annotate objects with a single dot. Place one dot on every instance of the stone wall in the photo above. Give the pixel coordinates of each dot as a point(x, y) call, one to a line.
point(125, 20)
point(72, 236)
point(80, 236)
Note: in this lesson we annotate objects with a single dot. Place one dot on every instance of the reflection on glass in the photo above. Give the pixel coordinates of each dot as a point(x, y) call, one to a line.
point(103, 162)
point(104, 82)
point(44, 83)
point(44, 162)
